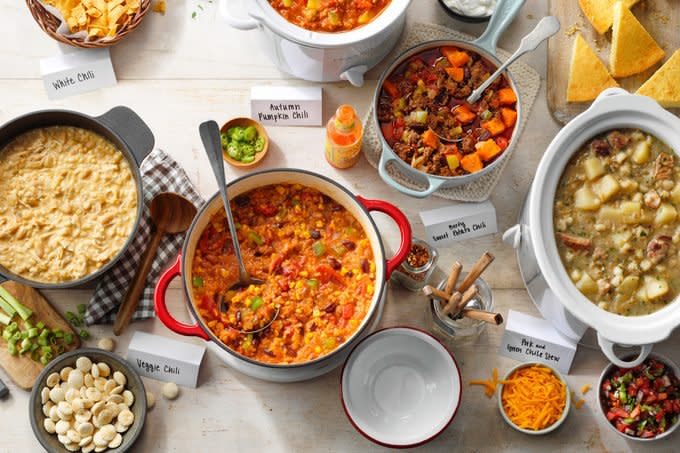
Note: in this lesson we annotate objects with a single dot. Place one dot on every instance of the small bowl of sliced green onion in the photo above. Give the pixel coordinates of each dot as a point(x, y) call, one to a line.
point(244, 142)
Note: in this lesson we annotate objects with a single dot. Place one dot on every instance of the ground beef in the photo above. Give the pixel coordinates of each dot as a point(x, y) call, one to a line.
point(618, 140)
point(600, 147)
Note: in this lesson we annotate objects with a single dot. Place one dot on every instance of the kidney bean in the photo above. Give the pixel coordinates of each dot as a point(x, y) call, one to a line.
point(349, 245)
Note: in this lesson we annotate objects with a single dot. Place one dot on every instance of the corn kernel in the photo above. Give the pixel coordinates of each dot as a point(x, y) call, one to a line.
point(299, 284)
point(317, 349)
point(353, 323)
point(304, 274)
point(343, 270)
point(319, 224)
point(372, 267)
point(369, 289)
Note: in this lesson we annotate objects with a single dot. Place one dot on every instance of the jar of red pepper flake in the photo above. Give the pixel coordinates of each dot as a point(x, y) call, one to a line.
point(416, 270)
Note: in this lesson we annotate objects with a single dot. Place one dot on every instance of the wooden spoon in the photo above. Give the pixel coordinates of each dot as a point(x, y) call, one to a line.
point(170, 213)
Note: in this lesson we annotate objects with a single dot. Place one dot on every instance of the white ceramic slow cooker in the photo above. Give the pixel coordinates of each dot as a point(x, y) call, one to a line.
point(321, 57)
point(614, 109)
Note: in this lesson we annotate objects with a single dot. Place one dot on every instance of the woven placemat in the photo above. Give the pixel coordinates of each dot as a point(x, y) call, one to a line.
point(528, 81)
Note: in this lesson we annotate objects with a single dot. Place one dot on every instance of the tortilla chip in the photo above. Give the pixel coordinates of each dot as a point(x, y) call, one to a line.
point(664, 86)
point(588, 76)
point(633, 48)
point(98, 18)
point(600, 13)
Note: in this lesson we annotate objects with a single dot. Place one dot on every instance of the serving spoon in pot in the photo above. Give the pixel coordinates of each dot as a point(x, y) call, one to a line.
point(210, 136)
point(547, 27)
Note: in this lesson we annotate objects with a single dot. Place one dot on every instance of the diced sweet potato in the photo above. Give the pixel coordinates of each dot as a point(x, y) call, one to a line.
point(464, 114)
point(430, 139)
point(495, 126)
point(509, 116)
point(455, 56)
point(471, 163)
point(391, 88)
point(457, 74)
point(488, 149)
point(507, 96)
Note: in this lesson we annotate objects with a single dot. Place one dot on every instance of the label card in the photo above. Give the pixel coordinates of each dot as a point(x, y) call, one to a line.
point(78, 72)
point(286, 106)
point(444, 226)
point(165, 359)
point(531, 339)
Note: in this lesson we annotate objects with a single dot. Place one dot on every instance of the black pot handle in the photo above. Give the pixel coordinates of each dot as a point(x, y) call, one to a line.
point(132, 129)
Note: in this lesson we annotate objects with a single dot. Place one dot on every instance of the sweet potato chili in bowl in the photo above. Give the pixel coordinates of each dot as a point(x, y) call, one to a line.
point(318, 268)
point(425, 118)
point(329, 15)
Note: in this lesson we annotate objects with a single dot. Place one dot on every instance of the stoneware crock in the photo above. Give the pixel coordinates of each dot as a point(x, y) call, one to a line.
point(315, 56)
point(124, 128)
point(358, 206)
point(614, 108)
point(485, 45)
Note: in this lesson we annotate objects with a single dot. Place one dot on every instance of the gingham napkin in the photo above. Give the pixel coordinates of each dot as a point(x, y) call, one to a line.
point(160, 173)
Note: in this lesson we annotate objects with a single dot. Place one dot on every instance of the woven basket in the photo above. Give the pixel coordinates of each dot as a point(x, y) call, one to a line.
point(49, 23)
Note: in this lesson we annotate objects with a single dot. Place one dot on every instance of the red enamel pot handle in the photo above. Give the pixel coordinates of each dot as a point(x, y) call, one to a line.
point(404, 228)
point(193, 330)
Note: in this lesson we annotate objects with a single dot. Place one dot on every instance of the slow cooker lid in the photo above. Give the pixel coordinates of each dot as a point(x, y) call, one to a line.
point(620, 110)
point(272, 19)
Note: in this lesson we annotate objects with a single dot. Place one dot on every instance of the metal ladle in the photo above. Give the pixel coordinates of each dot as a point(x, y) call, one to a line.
point(210, 136)
point(547, 27)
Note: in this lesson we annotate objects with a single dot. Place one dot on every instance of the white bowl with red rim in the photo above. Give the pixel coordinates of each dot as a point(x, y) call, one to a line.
point(400, 387)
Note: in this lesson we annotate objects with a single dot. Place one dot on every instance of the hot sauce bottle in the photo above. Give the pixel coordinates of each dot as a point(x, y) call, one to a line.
point(343, 137)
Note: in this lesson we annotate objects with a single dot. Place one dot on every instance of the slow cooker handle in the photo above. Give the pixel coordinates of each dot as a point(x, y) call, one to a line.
point(238, 23)
point(160, 304)
point(404, 229)
point(503, 15)
point(385, 159)
point(132, 129)
point(608, 350)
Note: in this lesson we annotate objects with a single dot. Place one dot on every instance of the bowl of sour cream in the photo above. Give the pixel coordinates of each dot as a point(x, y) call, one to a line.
point(469, 10)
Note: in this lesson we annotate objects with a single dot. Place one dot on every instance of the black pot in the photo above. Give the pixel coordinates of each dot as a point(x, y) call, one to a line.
point(124, 128)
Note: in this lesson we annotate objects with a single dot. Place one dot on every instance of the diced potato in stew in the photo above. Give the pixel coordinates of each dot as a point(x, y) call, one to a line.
point(616, 222)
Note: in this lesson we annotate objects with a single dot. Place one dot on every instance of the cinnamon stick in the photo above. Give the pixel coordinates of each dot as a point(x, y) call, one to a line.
point(467, 296)
point(431, 291)
point(452, 303)
point(482, 315)
point(453, 277)
point(479, 267)
point(462, 301)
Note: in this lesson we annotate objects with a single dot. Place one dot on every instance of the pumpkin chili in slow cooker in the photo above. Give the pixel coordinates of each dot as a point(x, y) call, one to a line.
point(329, 15)
point(318, 267)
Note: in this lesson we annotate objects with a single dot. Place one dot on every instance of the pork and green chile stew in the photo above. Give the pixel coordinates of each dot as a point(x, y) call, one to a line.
point(616, 222)
point(425, 119)
point(329, 15)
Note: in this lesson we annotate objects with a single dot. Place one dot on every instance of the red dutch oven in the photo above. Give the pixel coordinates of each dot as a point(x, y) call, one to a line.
point(358, 206)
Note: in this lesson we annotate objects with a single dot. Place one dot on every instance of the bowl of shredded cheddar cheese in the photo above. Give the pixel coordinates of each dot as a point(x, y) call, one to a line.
point(534, 398)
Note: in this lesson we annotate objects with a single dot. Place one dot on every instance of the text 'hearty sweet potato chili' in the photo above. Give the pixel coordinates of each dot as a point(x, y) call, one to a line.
point(425, 118)
point(317, 264)
point(329, 15)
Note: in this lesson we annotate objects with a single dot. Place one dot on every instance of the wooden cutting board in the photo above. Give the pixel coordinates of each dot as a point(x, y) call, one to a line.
point(661, 18)
point(22, 369)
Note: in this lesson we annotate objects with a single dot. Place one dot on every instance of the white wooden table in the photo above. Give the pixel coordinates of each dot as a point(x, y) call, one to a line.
point(176, 72)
